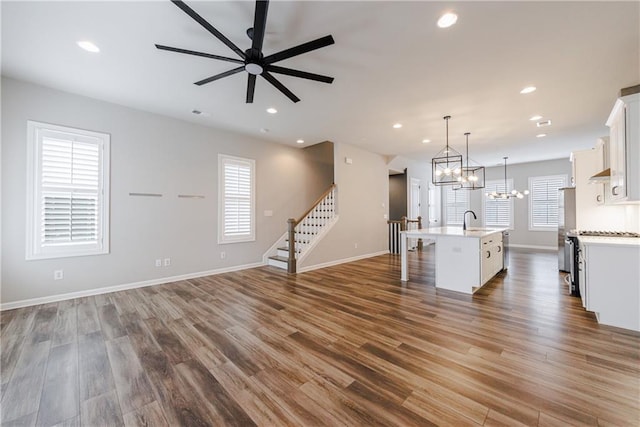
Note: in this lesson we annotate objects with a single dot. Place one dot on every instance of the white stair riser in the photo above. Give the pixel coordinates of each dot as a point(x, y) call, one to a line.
point(283, 253)
point(276, 263)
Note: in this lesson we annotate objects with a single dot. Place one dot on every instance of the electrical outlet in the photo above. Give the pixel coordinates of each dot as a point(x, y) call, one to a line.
point(223, 255)
point(158, 262)
point(356, 246)
point(58, 275)
point(167, 262)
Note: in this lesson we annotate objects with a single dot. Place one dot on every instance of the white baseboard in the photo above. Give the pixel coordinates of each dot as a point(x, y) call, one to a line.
point(109, 289)
point(340, 261)
point(542, 248)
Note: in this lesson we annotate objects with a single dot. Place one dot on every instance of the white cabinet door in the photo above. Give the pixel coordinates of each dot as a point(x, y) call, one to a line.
point(624, 149)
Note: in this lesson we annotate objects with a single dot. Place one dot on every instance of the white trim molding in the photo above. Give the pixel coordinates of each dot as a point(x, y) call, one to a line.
point(123, 287)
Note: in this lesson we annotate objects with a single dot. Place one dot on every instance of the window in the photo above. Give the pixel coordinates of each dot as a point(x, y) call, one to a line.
point(67, 192)
point(498, 212)
point(543, 201)
point(236, 199)
point(456, 202)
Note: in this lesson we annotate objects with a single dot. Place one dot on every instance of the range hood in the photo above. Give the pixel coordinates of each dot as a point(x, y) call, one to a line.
point(601, 177)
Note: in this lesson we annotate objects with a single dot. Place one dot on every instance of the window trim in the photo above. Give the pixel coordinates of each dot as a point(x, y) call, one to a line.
point(34, 249)
point(531, 227)
point(485, 199)
point(251, 237)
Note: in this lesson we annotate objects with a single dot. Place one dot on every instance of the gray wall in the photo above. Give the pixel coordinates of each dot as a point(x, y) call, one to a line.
point(363, 192)
point(320, 170)
point(398, 196)
point(520, 174)
point(149, 153)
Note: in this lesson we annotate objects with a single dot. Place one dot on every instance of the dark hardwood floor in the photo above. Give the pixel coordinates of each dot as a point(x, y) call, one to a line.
point(346, 345)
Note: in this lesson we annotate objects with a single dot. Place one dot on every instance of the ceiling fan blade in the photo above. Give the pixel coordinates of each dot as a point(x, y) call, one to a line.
point(193, 52)
point(200, 20)
point(298, 73)
point(268, 77)
point(219, 76)
point(299, 50)
point(259, 24)
point(251, 87)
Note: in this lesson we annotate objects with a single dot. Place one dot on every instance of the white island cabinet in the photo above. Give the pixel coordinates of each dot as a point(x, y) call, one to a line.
point(464, 260)
point(612, 280)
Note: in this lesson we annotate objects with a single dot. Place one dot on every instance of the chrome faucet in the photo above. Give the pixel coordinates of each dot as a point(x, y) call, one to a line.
point(464, 219)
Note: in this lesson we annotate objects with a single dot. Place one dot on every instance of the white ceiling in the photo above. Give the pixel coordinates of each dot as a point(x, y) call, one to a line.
point(391, 64)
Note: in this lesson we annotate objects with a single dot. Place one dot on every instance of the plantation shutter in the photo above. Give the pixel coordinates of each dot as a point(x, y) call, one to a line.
point(544, 200)
point(497, 212)
point(237, 199)
point(70, 191)
point(456, 202)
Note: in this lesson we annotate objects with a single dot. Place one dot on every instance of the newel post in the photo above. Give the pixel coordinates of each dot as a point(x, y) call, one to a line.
point(403, 224)
point(291, 229)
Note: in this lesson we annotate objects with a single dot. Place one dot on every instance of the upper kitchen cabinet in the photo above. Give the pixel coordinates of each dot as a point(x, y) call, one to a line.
point(624, 145)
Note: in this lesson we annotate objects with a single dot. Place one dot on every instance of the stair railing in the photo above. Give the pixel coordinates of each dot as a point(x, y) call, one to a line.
point(398, 225)
point(319, 214)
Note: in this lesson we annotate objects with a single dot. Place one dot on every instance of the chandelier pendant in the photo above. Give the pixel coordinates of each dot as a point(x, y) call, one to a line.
point(446, 167)
point(472, 176)
point(507, 194)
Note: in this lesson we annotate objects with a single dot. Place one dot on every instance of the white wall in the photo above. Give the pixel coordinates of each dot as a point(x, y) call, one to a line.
point(149, 153)
point(363, 195)
point(520, 174)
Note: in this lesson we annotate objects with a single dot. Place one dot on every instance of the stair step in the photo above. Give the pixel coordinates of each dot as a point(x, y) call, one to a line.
point(279, 261)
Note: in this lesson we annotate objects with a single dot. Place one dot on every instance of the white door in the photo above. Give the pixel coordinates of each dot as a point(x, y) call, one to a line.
point(414, 199)
point(414, 208)
point(434, 205)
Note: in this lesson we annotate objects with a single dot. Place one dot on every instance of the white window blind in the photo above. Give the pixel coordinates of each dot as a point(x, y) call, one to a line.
point(68, 197)
point(543, 201)
point(237, 219)
point(498, 212)
point(456, 202)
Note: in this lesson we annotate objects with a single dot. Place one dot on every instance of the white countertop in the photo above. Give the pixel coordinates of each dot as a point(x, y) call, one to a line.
point(609, 241)
point(474, 232)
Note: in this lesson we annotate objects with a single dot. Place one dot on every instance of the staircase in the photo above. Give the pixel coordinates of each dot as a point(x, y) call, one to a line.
point(304, 233)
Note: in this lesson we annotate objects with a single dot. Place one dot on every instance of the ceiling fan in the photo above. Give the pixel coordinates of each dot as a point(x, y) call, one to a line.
point(253, 60)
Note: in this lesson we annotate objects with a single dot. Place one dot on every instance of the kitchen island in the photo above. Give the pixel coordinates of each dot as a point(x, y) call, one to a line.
point(465, 259)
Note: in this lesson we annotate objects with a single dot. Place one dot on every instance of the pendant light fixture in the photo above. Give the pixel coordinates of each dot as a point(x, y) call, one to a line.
point(507, 194)
point(446, 167)
point(472, 176)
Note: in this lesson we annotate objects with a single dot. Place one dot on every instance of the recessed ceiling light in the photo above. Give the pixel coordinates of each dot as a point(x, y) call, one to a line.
point(264, 130)
point(543, 124)
point(426, 141)
point(447, 20)
point(534, 118)
point(88, 46)
point(397, 126)
point(196, 112)
point(541, 135)
point(271, 110)
point(528, 89)
point(300, 141)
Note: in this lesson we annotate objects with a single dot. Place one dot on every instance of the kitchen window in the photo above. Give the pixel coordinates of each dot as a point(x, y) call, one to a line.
point(67, 192)
point(236, 199)
point(498, 212)
point(456, 202)
point(543, 201)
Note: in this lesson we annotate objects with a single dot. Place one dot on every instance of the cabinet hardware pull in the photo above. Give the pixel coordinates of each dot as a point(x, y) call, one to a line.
point(488, 254)
point(499, 249)
point(599, 198)
point(614, 190)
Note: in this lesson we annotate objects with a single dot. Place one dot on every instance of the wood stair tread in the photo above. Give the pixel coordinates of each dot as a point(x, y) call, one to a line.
point(279, 258)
